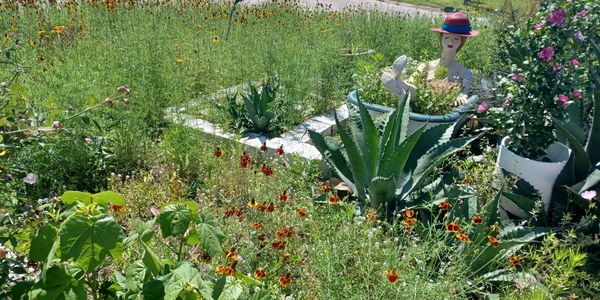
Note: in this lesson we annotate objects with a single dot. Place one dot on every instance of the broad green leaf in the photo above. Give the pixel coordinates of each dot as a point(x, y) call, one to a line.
point(42, 242)
point(58, 286)
point(248, 280)
point(151, 260)
point(174, 220)
point(399, 157)
point(262, 294)
point(333, 152)
point(356, 162)
point(591, 182)
point(184, 276)
point(219, 287)
point(524, 204)
point(72, 196)
point(50, 258)
point(210, 234)
point(193, 208)
point(370, 142)
point(153, 290)
point(136, 273)
point(232, 290)
point(382, 191)
point(89, 237)
point(582, 161)
point(109, 196)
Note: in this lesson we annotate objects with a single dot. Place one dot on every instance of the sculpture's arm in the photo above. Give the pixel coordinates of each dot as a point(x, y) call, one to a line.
point(463, 97)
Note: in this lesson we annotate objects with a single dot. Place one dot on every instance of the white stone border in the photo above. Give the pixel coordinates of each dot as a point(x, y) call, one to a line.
point(296, 141)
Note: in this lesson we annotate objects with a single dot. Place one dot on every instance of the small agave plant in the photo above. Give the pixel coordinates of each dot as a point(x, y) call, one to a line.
point(379, 161)
point(257, 108)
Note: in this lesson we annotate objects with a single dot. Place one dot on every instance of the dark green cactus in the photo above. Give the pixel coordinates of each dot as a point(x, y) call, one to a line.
point(378, 161)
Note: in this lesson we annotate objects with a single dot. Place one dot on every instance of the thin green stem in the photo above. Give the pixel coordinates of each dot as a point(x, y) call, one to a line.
point(180, 248)
point(94, 285)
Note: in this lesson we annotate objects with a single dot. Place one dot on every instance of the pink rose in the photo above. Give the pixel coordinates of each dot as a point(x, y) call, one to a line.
point(482, 107)
point(547, 53)
point(575, 62)
point(539, 26)
point(506, 102)
point(576, 94)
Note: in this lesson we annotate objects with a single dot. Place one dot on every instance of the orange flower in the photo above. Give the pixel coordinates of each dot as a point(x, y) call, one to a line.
point(325, 189)
point(280, 150)
point(264, 147)
point(283, 197)
point(260, 274)
point(229, 212)
point(466, 180)
point(453, 227)
point(334, 199)
point(230, 254)
point(271, 208)
point(477, 220)
point(252, 203)
point(392, 276)
point(493, 241)
point(515, 260)
point(408, 228)
point(301, 212)
point(287, 280)
point(408, 213)
point(221, 270)
point(444, 205)
point(256, 226)
point(216, 40)
point(278, 245)
point(410, 220)
point(238, 213)
point(117, 207)
point(463, 237)
point(218, 152)
point(261, 238)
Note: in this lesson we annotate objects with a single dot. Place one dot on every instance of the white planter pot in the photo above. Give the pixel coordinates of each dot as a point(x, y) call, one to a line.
point(541, 175)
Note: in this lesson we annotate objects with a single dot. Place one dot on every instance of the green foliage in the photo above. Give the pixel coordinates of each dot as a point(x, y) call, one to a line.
point(260, 108)
point(367, 80)
point(436, 97)
point(541, 87)
point(379, 162)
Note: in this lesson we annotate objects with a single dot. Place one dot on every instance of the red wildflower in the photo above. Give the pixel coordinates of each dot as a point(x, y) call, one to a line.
point(263, 168)
point(453, 227)
point(204, 257)
point(264, 147)
point(261, 238)
point(238, 213)
point(334, 199)
point(408, 228)
point(229, 212)
point(410, 220)
point(260, 274)
point(245, 159)
point(372, 217)
point(463, 237)
point(271, 208)
point(477, 220)
point(230, 254)
point(218, 152)
point(408, 213)
point(392, 276)
point(280, 150)
point(493, 241)
point(117, 207)
point(278, 245)
point(256, 226)
point(515, 260)
point(301, 212)
point(444, 205)
point(283, 197)
point(325, 189)
point(287, 280)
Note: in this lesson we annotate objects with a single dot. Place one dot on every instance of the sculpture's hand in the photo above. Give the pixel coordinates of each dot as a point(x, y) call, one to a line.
point(390, 83)
point(462, 99)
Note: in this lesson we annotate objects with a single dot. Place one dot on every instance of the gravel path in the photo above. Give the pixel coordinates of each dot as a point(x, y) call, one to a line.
point(381, 5)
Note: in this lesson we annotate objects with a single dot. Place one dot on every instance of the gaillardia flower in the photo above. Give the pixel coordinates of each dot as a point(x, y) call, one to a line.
point(477, 220)
point(444, 205)
point(392, 276)
point(286, 280)
point(463, 237)
point(260, 274)
point(493, 241)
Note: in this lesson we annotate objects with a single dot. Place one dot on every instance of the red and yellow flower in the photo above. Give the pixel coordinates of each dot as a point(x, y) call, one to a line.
point(410, 220)
point(392, 276)
point(493, 241)
point(372, 217)
point(204, 257)
point(260, 274)
point(326, 189)
point(278, 245)
point(230, 254)
point(238, 213)
point(444, 205)
point(218, 152)
point(252, 203)
point(286, 280)
point(229, 213)
point(477, 220)
point(463, 237)
point(495, 227)
point(334, 199)
point(271, 208)
point(515, 260)
point(283, 197)
point(408, 213)
point(117, 207)
point(452, 227)
point(280, 150)
point(264, 147)
point(301, 212)
point(256, 226)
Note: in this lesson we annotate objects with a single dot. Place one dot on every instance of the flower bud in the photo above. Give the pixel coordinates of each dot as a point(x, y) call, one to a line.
point(125, 101)
point(121, 89)
point(57, 125)
point(109, 101)
point(70, 108)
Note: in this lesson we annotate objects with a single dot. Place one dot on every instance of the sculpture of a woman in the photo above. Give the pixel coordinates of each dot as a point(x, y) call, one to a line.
point(453, 36)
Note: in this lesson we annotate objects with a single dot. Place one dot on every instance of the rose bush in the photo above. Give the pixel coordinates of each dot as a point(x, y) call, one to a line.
point(548, 74)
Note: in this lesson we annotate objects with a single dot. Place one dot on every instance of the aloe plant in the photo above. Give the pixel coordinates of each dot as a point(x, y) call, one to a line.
point(378, 161)
point(257, 108)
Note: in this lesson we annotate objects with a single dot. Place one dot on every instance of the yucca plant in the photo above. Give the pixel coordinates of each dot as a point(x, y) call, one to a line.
point(258, 108)
point(379, 161)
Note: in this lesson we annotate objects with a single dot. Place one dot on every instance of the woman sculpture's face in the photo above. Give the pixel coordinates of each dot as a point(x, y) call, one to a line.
point(450, 42)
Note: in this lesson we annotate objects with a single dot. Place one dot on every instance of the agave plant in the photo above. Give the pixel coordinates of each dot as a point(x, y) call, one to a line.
point(378, 161)
point(258, 108)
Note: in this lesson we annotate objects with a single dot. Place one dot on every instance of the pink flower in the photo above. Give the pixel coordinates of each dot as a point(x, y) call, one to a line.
point(557, 67)
point(518, 77)
point(564, 99)
point(506, 102)
point(539, 26)
point(547, 53)
point(155, 211)
point(32, 179)
point(87, 139)
point(482, 107)
point(575, 62)
point(588, 195)
point(581, 13)
point(557, 17)
point(576, 94)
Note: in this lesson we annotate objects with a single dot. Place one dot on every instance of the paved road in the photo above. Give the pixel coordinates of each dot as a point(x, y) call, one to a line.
point(381, 5)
